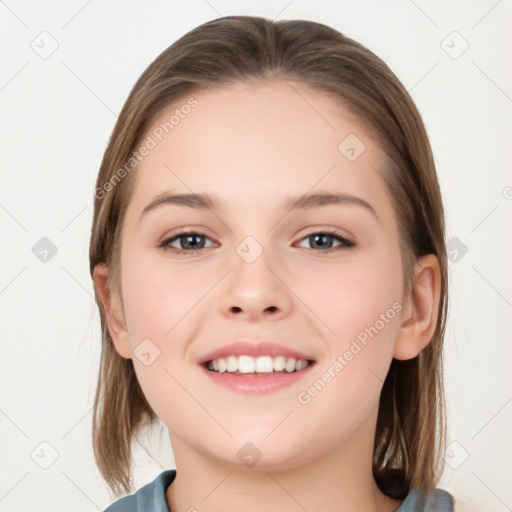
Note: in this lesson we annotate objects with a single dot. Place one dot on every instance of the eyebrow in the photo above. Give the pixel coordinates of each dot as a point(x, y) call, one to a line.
point(301, 202)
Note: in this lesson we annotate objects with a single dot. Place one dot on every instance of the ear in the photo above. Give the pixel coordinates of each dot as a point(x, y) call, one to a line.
point(113, 311)
point(420, 314)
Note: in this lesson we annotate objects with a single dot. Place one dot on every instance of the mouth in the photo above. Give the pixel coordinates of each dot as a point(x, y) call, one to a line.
point(245, 365)
point(256, 375)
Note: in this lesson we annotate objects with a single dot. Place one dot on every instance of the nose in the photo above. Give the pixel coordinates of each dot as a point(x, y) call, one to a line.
point(256, 290)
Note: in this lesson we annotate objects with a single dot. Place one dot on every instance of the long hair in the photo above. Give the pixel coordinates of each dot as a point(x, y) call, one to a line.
point(410, 428)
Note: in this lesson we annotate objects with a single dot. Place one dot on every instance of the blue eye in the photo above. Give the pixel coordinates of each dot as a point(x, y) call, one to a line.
point(192, 241)
point(323, 241)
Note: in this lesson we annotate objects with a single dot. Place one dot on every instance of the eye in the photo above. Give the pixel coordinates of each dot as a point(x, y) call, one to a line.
point(324, 241)
point(191, 241)
point(188, 241)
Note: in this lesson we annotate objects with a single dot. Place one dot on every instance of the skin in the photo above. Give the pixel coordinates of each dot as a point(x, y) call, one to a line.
point(253, 145)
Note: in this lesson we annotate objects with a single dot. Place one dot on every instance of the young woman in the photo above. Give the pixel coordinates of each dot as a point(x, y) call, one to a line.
point(268, 256)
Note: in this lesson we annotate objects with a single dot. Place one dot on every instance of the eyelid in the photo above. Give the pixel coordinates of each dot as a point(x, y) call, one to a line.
point(328, 230)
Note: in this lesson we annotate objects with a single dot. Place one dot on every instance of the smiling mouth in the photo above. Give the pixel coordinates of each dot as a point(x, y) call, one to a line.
point(263, 365)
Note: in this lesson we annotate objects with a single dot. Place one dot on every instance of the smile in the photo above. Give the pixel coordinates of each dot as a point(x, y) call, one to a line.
point(264, 365)
point(256, 375)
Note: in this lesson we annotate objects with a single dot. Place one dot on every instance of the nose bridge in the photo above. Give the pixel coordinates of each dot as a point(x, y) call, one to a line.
point(251, 263)
point(253, 287)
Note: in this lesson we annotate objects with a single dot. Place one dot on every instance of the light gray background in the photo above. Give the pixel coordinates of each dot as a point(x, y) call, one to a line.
point(57, 113)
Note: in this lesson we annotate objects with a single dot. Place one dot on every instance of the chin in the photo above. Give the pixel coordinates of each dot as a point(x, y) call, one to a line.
point(255, 452)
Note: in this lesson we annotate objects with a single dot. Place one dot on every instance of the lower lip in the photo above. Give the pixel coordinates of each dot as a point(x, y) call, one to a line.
point(257, 384)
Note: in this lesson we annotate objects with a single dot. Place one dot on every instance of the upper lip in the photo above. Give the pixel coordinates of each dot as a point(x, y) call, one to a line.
point(253, 349)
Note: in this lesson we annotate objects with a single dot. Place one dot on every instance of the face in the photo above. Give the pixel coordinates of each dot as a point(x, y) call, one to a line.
point(321, 280)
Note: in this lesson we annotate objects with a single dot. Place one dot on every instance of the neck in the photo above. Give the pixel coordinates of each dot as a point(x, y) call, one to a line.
point(340, 480)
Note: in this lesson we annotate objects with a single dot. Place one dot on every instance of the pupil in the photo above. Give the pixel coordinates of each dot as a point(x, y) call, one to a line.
point(322, 237)
point(189, 240)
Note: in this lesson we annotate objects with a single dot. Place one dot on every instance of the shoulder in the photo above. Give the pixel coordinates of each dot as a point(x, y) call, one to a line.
point(436, 501)
point(150, 498)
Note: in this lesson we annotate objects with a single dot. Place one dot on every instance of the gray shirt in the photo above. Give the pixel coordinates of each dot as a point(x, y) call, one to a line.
point(151, 498)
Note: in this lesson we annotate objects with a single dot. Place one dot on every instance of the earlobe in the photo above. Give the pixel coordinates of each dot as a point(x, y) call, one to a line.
point(113, 312)
point(420, 314)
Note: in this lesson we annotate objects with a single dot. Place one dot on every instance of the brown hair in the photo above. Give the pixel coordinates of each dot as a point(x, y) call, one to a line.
point(410, 425)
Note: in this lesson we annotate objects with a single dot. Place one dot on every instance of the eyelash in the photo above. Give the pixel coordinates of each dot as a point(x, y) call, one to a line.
point(346, 244)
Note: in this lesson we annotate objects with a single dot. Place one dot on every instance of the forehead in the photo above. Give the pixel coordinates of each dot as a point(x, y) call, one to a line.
point(257, 139)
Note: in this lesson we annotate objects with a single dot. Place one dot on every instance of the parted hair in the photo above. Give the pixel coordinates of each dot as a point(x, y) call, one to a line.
point(410, 431)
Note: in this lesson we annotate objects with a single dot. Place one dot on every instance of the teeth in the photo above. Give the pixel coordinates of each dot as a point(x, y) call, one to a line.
point(300, 365)
point(279, 363)
point(262, 364)
point(246, 364)
point(232, 363)
point(290, 365)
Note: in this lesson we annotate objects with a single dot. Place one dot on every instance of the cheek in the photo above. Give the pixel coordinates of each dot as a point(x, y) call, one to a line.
point(359, 305)
point(165, 306)
point(346, 386)
point(349, 297)
point(158, 298)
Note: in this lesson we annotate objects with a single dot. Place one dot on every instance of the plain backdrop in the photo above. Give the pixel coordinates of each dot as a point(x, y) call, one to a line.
point(66, 69)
